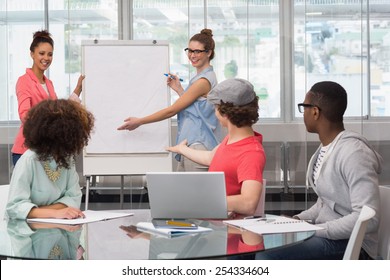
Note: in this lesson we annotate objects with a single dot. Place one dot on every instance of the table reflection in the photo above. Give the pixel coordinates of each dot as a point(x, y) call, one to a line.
point(221, 241)
point(44, 241)
point(119, 239)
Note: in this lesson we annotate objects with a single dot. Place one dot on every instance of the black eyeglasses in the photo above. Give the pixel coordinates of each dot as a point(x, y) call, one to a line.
point(301, 107)
point(189, 51)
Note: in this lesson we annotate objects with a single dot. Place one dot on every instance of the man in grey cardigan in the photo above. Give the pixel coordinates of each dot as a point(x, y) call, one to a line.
point(343, 172)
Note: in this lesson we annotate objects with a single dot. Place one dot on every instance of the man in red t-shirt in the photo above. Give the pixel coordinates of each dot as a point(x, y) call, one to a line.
point(240, 155)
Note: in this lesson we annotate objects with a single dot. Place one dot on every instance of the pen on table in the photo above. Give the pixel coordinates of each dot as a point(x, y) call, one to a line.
point(265, 220)
point(252, 217)
point(179, 224)
point(173, 77)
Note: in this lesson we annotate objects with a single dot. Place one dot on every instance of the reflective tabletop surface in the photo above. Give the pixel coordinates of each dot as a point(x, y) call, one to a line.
point(119, 239)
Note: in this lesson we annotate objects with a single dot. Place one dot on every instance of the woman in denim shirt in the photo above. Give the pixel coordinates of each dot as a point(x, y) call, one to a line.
point(196, 119)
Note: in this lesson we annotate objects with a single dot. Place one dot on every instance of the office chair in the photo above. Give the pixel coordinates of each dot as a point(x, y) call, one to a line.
point(354, 245)
point(384, 226)
point(4, 190)
point(261, 206)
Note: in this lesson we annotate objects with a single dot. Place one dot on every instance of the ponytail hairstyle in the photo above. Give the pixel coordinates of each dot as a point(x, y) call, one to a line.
point(42, 36)
point(205, 37)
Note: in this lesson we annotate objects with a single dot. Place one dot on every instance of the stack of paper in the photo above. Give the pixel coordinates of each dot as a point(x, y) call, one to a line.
point(275, 224)
point(169, 232)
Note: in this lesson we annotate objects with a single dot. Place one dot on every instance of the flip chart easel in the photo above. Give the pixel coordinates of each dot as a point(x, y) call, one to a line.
point(125, 78)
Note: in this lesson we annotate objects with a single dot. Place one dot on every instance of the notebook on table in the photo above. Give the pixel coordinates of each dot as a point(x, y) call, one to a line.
point(187, 195)
point(273, 224)
point(169, 232)
point(90, 217)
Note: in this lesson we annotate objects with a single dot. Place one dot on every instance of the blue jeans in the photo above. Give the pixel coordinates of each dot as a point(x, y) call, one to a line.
point(315, 248)
point(15, 158)
point(186, 164)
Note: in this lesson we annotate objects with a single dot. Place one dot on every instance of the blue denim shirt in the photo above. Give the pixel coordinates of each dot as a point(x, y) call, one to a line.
point(197, 123)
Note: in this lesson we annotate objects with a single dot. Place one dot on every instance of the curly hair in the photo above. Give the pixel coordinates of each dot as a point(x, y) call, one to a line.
point(205, 37)
point(57, 129)
point(39, 37)
point(240, 116)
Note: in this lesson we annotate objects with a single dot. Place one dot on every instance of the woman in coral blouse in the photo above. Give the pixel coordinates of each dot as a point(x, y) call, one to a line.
point(34, 86)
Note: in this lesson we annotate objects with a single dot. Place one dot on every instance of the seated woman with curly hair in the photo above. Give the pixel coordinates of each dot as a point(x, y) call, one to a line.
point(45, 183)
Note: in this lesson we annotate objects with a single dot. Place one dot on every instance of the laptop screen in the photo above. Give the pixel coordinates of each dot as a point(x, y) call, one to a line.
point(185, 195)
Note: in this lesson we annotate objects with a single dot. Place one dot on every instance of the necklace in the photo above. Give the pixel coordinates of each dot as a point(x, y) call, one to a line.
point(53, 175)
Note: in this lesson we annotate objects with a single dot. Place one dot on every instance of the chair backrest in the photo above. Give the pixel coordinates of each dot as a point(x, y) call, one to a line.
point(4, 189)
point(384, 226)
point(352, 251)
point(261, 206)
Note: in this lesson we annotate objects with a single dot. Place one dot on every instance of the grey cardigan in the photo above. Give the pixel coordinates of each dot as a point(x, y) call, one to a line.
point(348, 180)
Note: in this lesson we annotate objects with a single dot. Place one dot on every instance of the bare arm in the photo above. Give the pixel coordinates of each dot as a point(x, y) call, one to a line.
point(200, 157)
point(79, 86)
point(133, 233)
point(199, 88)
point(246, 202)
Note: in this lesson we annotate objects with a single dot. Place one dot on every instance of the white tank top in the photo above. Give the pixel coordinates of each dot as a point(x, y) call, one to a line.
point(45, 88)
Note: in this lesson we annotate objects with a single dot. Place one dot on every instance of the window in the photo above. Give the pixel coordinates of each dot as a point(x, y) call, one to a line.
point(246, 34)
point(340, 43)
point(70, 22)
point(328, 44)
point(18, 21)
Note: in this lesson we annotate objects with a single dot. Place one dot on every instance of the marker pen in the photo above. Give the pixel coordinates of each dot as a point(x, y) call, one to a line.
point(180, 224)
point(173, 77)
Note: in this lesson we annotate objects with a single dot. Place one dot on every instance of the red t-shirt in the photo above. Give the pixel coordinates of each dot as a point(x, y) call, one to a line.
point(240, 161)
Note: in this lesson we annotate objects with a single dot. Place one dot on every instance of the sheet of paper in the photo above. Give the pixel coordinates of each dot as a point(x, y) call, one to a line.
point(90, 217)
point(247, 222)
point(274, 224)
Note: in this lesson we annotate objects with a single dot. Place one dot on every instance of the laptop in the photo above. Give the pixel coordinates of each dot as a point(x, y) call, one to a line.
point(187, 195)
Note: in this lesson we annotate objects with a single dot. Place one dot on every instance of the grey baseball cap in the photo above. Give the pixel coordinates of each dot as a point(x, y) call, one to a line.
point(236, 91)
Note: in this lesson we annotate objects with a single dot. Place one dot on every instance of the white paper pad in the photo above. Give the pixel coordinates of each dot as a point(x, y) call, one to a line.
point(90, 216)
point(274, 224)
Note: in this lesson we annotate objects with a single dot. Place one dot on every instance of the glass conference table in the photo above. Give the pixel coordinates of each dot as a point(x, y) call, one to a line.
point(118, 239)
